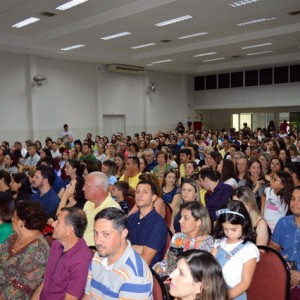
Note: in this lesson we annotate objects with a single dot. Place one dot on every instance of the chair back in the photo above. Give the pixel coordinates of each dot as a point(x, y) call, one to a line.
point(168, 214)
point(159, 291)
point(130, 199)
point(271, 277)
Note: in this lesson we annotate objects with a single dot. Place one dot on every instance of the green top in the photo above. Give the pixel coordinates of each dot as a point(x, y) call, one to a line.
point(5, 231)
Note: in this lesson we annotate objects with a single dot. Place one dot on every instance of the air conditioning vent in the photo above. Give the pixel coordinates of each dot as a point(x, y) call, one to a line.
point(124, 69)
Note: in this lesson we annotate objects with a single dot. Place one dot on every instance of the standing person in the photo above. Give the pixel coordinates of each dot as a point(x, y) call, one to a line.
point(286, 240)
point(147, 229)
point(69, 259)
point(276, 198)
point(116, 271)
point(197, 276)
point(235, 249)
point(66, 133)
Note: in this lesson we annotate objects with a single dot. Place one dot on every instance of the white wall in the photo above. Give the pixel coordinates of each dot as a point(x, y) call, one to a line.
point(217, 106)
point(80, 94)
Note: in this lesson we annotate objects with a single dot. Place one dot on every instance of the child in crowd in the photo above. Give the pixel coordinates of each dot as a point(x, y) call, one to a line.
point(276, 198)
point(119, 190)
point(235, 249)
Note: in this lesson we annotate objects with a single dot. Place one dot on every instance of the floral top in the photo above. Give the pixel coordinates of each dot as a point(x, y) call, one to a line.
point(180, 243)
point(21, 272)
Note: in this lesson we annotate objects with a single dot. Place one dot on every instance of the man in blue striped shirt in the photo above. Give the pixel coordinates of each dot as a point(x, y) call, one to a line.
point(116, 271)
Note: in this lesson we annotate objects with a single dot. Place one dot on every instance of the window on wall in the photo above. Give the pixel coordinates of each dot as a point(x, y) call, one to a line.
point(261, 120)
point(239, 119)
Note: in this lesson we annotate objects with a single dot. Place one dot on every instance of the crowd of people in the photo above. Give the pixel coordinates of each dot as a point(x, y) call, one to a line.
point(104, 202)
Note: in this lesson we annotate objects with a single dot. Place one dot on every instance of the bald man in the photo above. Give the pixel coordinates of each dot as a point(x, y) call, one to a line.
point(96, 192)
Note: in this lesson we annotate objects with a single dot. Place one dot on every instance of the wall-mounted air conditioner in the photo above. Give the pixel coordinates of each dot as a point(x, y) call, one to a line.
point(124, 69)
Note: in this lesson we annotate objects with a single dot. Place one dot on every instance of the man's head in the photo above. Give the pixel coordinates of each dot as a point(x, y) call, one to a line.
point(95, 187)
point(149, 155)
point(71, 223)
point(32, 149)
point(132, 166)
point(54, 146)
point(48, 142)
point(86, 149)
point(146, 194)
point(207, 177)
point(66, 127)
point(43, 177)
point(110, 233)
point(185, 155)
point(254, 152)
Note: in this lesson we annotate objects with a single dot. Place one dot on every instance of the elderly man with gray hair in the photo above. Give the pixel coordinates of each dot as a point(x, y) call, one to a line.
point(149, 156)
point(96, 192)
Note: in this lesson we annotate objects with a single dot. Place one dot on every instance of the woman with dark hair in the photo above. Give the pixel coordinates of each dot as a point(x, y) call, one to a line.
point(197, 277)
point(212, 159)
point(7, 208)
point(276, 198)
point(226, 172)
point(143, 165)
point(195, 230)
point(11, 163)
point(109, 169)
point(21, 187)
point(24, 255)
point(285, 156)
point(275, 165)
point(5, 191)
point(120, 164)
point(235, 249)
point(73, 194)
point(45, 152)
point(169, 186)
point(38, 147)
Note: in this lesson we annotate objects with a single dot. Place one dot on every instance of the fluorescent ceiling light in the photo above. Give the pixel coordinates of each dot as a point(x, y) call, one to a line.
point(257, 21)
point(205, 54)
point(161, 61)
point(192, 35)
point(213, 59)
point(115, 36)
point(172, 21)
point(70, 4)
point(242, 2)
point(72, 47)
point(142, 46)
point(258, 53)
point(256, 46)
point(26, 22)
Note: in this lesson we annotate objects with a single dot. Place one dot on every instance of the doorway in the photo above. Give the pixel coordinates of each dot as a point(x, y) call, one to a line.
point(112, 124)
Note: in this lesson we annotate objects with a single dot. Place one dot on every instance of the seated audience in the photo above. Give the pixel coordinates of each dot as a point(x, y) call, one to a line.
point(169, 186)
point(197, 276)
point(11, 163)
point(286, 240)
point(20, 186)
point(259, 224)
point(7, 207)
point(69, 258)
point(116, 271)
point(195, 228)
point(24, 255)
point(96, 192)
point(147, 229)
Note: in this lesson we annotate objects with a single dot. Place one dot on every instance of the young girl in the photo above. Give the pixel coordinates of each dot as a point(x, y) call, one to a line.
point(276, 198)
point(235, 249)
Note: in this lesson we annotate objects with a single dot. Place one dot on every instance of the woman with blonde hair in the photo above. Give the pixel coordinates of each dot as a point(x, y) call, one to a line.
point(259, 224)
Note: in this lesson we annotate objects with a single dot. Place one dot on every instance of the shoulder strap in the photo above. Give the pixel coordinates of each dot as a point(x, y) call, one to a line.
point(236, 249)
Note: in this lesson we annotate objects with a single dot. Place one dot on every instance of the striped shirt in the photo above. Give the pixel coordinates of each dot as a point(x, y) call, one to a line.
point(128, 278)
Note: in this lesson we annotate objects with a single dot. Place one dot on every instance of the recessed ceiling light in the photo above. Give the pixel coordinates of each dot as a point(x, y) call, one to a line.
point(205, 54)
point(257, 21)
point(213, 59)
point(258, 53)
point(192, 35)
point(161, 61)
point(115, 36)
point(70, 4)
point(242, 2)
point(26, 22)
point(72, 47)
point(142, 46)
point(172, 21)
point(256, 46)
